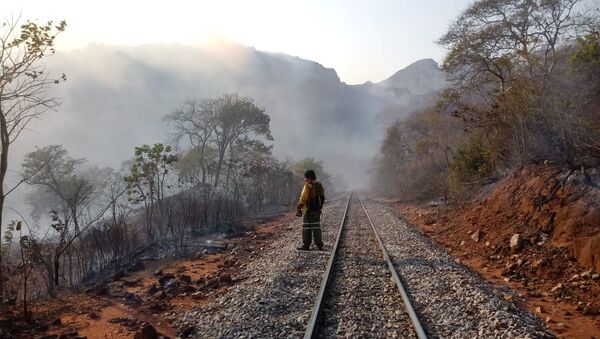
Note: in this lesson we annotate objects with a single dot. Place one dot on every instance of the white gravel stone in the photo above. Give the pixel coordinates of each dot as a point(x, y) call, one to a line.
point(451, 300)
point(275, 299)
point(361, 299)
point(276, 296)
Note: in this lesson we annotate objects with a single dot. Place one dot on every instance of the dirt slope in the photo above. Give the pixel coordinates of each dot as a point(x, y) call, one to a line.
point(556, 213)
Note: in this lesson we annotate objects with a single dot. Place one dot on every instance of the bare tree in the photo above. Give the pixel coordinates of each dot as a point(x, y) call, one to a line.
point(212, 128)
point(23, 84)
point(236, 118)
point(194, 125)
point(493, 40)
point(67, 193)
point(502, 63)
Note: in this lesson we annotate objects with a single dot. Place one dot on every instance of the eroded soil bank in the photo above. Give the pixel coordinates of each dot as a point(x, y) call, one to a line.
point(553, 217)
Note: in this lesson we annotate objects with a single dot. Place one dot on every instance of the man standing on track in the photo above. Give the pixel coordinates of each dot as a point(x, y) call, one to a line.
point(309, 208)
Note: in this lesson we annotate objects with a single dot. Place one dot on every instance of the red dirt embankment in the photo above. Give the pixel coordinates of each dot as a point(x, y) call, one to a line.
point(556, 214)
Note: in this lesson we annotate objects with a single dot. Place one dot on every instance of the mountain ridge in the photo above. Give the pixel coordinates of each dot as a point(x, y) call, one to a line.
point(424, 76)
point(124, 93)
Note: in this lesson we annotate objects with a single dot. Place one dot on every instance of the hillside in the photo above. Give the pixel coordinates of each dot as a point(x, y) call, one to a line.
point(124, 92)
point(421, 77)
point(555, 214)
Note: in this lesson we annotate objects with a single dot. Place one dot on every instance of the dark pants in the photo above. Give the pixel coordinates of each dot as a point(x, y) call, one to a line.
point(311, 228)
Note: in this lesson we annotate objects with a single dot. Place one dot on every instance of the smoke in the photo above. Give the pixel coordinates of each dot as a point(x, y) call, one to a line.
point(115, 98)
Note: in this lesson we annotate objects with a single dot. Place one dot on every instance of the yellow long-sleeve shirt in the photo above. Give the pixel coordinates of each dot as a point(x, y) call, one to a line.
point(310, 189)
point(304, 197)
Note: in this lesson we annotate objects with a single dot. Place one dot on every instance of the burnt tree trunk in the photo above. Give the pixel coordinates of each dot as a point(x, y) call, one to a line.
point(4, 143)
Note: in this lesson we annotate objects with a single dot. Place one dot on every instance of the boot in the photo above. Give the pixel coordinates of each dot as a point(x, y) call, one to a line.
point(302, 248)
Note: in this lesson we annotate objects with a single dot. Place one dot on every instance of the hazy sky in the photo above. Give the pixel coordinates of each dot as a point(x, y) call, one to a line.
point(363, 40)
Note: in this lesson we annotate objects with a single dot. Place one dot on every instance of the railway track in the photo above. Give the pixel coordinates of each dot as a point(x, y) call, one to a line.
point(361, 294)
point(359, 297)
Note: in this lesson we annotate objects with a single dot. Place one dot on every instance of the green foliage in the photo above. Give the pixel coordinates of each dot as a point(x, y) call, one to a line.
point(146, 181)
point(148, 171)
point(227, 159)
point(238, 116)
point(588, 50)
point(586, 61)
point(216, 130)
point(471, 161)
point(24, 79)
point(38, 39)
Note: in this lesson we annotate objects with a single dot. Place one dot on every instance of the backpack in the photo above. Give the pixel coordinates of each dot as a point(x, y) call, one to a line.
point(316, 197)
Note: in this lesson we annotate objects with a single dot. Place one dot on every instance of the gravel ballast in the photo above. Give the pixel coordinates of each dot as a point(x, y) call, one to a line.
point(362, 300)
point(451, 300)
point(276, 289)
point(277, 292)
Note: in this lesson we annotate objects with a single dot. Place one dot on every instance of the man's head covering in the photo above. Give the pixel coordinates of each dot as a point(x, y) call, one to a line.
point(310, 174)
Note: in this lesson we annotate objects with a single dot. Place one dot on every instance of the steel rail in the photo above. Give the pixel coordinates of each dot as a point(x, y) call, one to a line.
point(409, 309)
point(314, 317)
